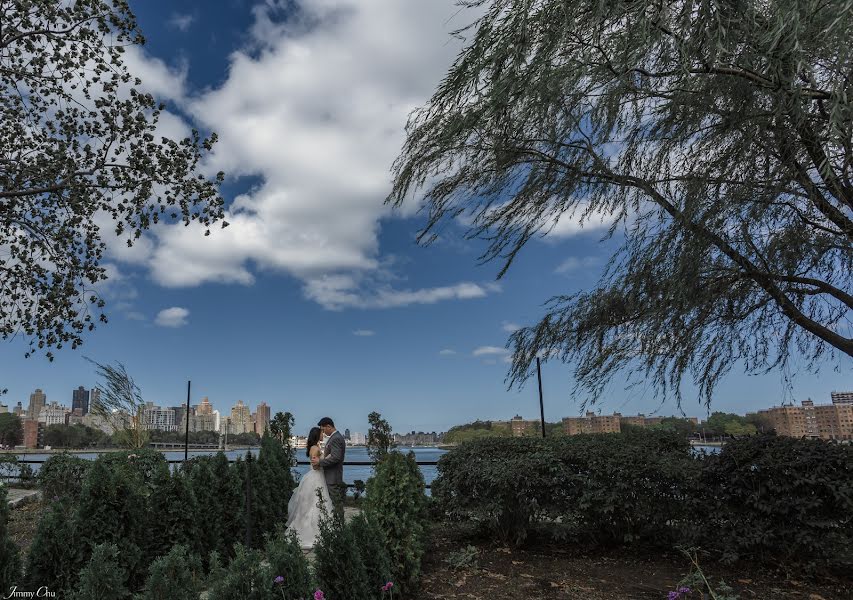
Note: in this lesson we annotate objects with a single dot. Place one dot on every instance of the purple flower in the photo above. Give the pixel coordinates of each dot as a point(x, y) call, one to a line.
point(684, 590)
point(672, 596)
point(279, 580)
point(319, 595)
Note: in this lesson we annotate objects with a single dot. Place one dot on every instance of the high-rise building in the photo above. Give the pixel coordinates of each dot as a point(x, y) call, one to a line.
point(155, 417)
point(205, 408)
point(592, 423)
point(75, 417)
point(52, 414)
point(202, 423)
point(80, 399)
point(19, 410)
point(262, 418)
point(37, 402)
point(842, 397)
point(358, 439)
point(346, 435)
point(94, 399)
point(241, 419)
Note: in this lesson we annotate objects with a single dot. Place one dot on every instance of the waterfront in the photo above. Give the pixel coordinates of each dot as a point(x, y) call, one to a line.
point(351, 473)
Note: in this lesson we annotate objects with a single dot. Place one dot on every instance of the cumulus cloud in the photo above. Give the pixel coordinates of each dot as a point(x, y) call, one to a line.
point(490, 351)
point(510, 327)
point(364, 332)
point(315, 108)
point(172, 317)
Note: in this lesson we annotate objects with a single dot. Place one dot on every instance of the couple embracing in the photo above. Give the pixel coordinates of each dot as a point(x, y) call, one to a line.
point(325, 477)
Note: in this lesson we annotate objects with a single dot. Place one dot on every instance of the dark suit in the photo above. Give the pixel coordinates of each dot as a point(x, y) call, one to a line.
point(333, 468)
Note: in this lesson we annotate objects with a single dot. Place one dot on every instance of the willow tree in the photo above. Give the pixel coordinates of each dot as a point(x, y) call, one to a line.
point(715, 136)
point(78, 147)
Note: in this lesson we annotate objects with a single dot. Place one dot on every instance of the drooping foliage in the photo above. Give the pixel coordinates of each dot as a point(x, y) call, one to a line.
point(714, 139)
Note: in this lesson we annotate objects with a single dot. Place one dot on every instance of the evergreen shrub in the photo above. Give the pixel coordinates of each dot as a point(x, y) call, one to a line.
point(176, 576)
point(10, 558)
point(396, 503)
point(103, 578)
point(62, 475)
point(286, 560)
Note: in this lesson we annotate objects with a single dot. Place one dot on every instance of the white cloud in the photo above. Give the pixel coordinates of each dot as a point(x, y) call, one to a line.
point(574, 263)
point(364, 332)
point(510, 327)
point(172, 317)
point(447, 352)
point(180, 22)
point(316, 108)
point(490, 351)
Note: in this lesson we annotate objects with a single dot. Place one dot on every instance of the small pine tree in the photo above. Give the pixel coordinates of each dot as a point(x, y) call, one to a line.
point(287, 561)
point(209, 534)
point(372, 545)
point(396, 503)
point(113, 509)
point(10, 558)
point(176, 576)
point(55, 556)
point(245, 578)
point(173, 515)
point(275, 464)
point(339, 567)
point(228, 500)
point(103, 578)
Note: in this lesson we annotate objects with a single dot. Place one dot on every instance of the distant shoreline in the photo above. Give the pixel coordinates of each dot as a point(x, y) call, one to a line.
point(105, 450)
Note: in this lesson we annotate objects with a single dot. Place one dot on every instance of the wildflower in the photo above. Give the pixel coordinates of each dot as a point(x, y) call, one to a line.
point(319, 595)
point(387, 586)
point(684, 590)
point(279, 580)
point(672, 595)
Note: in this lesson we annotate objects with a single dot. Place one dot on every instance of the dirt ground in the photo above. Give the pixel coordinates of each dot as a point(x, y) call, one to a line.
point(548, 570)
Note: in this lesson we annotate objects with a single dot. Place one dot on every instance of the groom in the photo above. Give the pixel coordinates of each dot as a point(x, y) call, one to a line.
point(333, 463)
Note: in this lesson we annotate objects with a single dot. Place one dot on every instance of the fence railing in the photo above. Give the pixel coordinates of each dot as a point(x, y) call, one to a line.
point(173, 461)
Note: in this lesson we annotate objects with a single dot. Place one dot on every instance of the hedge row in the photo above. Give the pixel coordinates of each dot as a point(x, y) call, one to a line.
point(761, 498)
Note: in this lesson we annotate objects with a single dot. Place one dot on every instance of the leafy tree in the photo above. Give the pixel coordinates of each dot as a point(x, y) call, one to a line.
point(715, 138)
point(11, 429)
point(684, 427)
point(728, 424)
point(475, 431)
point(121, 405)
point(79, 146)
point(281, 427)
point(380, 441)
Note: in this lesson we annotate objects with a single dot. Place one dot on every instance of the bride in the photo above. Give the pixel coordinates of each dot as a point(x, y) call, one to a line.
point(303, 509)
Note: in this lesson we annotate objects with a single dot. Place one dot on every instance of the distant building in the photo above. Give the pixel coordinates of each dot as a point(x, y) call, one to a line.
point(75, 417)
point(37, 402)
point(241, 419)
point(19, 410)
point(156, 417)
point(205, 408)
point(824, 421)
point(346, 435)
point(520, 427)
point(80, 399)
point(53, 414)
point(419, 438)
point(98, 422)
point(592, 423)
point(842, 397)
point(202, 423)
point(262, 418)
point(94, 400)
point(3, 409)
point(357, 439)
point(33, 433)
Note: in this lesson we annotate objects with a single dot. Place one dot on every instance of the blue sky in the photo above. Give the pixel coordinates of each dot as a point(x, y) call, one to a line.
point(317, 299)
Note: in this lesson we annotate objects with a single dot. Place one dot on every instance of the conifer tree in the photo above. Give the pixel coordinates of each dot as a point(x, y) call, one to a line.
point(56, 555)
point(176, 576)
point(104, 577)
point(10, 559)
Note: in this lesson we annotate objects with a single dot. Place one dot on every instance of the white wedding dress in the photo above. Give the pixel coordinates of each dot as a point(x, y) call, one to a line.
point(303, 509)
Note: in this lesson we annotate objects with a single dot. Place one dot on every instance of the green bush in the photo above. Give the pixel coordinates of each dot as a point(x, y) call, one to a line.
point(396, 504)
point(145, 463)
point(275, 479)
point(778, 498)
point(371, 542)
point(176, 576)
point(287, 561)
point(113, 509)
point(10, 559)
point(228, 494)
point(62, 475)
point(173, 516)
point(245, 578)
point(103, 578)
point(339, 566)
point(199, 471)
point(56, 555)
point(608, 488)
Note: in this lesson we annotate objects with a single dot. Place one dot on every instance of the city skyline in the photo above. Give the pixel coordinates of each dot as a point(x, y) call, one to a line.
point(316, 297)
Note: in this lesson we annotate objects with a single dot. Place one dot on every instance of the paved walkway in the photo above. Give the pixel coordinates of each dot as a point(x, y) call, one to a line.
point(19, 496)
